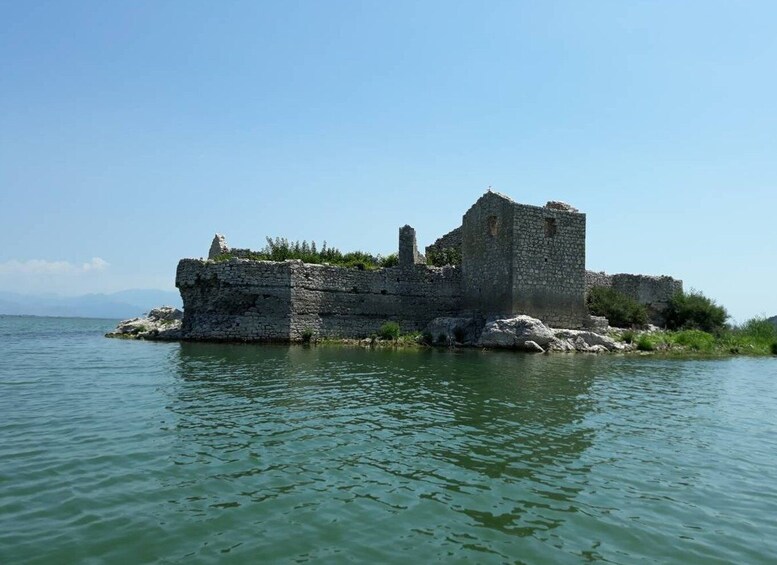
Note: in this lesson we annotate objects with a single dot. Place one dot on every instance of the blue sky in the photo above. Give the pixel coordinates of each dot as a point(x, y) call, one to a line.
point(130, 132)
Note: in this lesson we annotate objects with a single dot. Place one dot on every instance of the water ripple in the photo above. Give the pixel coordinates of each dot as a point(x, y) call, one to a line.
point(143, 452)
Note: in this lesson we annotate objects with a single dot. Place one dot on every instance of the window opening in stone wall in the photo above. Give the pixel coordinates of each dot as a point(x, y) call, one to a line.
point(550, 227)
point(493, 226)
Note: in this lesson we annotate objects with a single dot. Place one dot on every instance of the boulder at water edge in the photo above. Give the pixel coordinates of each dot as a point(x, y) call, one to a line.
point(160, 323)
point(516, 333)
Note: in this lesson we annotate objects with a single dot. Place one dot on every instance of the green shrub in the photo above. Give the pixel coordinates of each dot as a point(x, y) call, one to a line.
point(628, 336)
point(444, 256)
point(281, 249)
point(644, 343)
point(618, 308)
point(391, 260)
point(695, 339)
point(694, 311)
point(758, 328)
point(774, 348)
point(389, 330)
point(307, 335)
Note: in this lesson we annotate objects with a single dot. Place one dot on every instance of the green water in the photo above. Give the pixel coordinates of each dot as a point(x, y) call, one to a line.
point(131, 452)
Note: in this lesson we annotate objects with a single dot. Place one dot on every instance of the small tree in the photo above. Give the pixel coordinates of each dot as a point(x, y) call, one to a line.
point(389, 330)
point(694, 311)
point(618, 308)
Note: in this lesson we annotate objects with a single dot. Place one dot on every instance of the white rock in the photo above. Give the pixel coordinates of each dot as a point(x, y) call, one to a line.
point(160, 323)
point(584, 340)
point(515, 332)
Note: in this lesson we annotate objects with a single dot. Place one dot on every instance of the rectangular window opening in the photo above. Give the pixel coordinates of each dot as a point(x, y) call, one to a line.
point(550, 227)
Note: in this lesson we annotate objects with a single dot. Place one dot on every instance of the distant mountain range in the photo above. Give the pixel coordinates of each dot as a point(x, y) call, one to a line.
point(117, 305)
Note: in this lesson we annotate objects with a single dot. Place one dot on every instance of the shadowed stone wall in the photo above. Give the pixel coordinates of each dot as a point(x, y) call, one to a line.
point(235, 300)
point(487, 251)
point(243, 300)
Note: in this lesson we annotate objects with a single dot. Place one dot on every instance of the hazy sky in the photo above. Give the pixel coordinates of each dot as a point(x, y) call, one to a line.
point(130, 132)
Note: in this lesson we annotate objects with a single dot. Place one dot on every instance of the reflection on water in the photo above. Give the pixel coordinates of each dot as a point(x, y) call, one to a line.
point(400, 434)
point(141, 452)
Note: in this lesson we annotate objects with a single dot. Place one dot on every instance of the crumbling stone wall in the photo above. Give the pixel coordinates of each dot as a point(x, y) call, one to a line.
point(339, 302)
point(244, 300)
point(549, 264)
point(235, 300)
point(219, 247)
point(652, 291)
point(487, 250)
point(451, 240)
point(408, 249)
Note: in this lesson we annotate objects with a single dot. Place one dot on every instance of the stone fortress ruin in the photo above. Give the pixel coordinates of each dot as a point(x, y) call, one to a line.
point(515, 259)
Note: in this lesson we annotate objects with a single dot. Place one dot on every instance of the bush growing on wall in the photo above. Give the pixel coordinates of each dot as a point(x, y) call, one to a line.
point(281, 249)
point(445, 256)
point(694, 311)
point(618, 308)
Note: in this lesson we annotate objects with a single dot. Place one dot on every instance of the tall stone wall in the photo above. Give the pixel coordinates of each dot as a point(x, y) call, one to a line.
point(244, 300)
point(549, 264)
point(487, 249)
point(652, 291)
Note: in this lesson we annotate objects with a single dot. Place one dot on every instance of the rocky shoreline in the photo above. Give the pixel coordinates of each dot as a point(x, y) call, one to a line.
point(521, 333)
point(163, 324)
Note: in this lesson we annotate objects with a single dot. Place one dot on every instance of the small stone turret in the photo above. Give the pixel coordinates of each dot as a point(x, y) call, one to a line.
point(218, 247)
point(408, 249)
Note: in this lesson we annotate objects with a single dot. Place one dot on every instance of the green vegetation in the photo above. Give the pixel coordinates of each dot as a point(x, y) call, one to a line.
point(281, 249)
point(645, 343)
point(694, 311)
point(754, 337)
point(618, 308)
point(307, 335)
point(389, 330)
point(390, 260)
point(443, 257)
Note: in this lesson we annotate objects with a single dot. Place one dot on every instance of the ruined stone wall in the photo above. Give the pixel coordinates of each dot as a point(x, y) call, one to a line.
point(339, 302)
point(549, 264)
point(408, 249)
point(487, 250)
point(653, 292)
point(451, 240)
point(235, 300)
point(241, 300)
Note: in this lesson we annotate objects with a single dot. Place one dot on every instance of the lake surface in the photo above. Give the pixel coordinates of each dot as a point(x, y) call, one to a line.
point(117, 451)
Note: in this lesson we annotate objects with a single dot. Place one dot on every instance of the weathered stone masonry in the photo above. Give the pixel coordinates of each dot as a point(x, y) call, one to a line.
point(516, 259)
point(244, 300)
